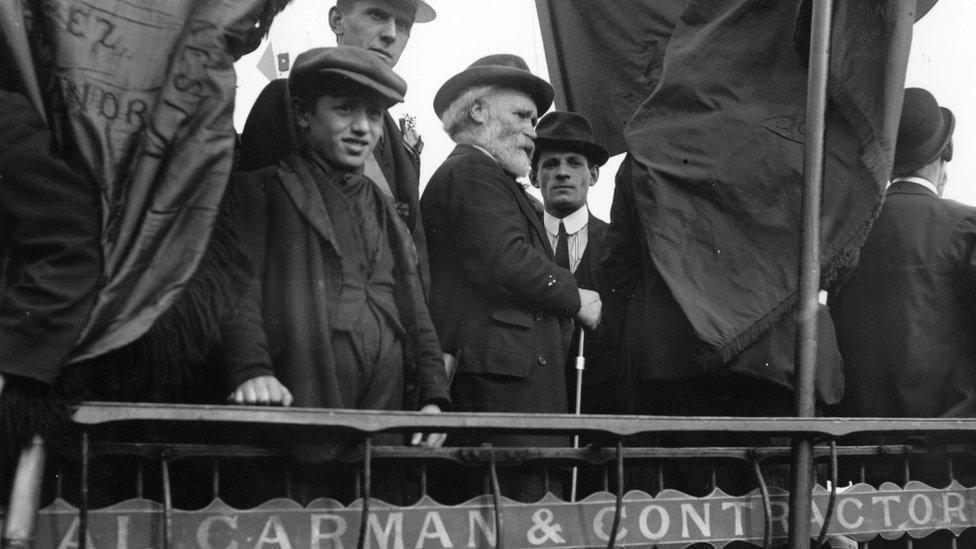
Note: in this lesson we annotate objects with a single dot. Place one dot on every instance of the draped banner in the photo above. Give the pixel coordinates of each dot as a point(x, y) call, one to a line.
point(718, 154)
point(670, 519)
point(143, 91)
point(605, 57)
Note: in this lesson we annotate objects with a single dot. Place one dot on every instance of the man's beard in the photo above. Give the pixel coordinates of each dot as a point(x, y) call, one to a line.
point(505, 143)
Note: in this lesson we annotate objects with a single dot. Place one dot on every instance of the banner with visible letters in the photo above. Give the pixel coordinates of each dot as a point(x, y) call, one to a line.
point(670, 519)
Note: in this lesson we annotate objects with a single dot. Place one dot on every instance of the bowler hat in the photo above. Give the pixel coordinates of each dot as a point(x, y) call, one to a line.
point(317, 68)
point(924, 131)
point(503, 70)
point(568, 131)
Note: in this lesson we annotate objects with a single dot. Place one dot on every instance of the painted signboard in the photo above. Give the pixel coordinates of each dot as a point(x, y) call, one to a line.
point(670, 519)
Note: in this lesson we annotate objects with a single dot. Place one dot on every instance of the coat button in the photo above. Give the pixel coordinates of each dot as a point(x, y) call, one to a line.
point(542, 360)
point(538, 317)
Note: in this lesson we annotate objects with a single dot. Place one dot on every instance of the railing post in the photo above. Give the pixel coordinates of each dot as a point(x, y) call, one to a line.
point(25, 497)
point(809, 270)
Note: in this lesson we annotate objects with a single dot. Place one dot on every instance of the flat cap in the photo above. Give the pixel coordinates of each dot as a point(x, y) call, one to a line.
point(319, 67)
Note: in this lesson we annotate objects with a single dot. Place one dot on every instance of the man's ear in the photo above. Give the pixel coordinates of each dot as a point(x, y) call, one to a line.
point(335, 21)
point(533, 178)
point(479, 111)
point(594, 174)
point(301, 114)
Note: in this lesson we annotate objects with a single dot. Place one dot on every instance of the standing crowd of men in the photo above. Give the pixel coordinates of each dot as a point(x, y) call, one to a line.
point(473, 297)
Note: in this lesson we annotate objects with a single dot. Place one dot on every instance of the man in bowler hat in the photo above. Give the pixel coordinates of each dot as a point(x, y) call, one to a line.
point(905, 318)
point(906, 315)
point(500, 303)
point(566, 163)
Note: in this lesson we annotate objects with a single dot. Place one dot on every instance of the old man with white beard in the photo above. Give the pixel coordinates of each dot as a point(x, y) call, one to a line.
point(500, 305)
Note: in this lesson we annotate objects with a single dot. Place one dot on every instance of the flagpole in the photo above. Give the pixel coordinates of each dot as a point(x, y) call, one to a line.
point(809, 271)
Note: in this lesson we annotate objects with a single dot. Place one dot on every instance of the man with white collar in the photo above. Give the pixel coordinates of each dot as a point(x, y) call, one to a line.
point(565, 165)
point(906, 316)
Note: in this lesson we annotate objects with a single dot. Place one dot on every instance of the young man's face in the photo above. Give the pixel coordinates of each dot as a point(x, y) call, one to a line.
point(343, 130)
point(374, 25)
point(565, 179)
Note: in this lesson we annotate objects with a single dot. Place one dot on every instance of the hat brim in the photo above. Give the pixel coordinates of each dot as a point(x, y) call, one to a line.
point(927, 153)
point(504, 77)
point(593, 152)
point(923, 7)
point(425, 13)
point(390, 95)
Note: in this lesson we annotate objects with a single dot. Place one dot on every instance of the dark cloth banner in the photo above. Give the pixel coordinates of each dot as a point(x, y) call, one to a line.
point(605, 57)
point(718, 152)
point(142, 92)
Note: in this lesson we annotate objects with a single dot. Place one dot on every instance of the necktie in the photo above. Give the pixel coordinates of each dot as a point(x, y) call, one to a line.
point(562, 247)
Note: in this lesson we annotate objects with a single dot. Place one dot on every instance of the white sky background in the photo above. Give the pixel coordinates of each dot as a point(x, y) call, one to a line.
point(941, 60)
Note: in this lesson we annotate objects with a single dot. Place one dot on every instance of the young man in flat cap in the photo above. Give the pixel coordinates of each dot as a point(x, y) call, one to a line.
point(566, 163)
point(335, 317)
point(381, 27)
point(502, 307)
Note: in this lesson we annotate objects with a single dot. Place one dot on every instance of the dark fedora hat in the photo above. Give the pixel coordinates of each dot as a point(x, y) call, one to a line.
point(924, 132)
point(568, 131)
point(318, 67)
point(504, 70)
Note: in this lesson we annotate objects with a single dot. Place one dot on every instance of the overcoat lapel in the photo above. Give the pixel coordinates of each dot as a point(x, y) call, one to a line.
point(297, 179)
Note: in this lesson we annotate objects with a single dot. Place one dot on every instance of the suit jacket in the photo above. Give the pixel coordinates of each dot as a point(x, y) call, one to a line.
point(498, 301)
point(283, 327)
point(906, 315)
point(50, 253)
point(602, 376)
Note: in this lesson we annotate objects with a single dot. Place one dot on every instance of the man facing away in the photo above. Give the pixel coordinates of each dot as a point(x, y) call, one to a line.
point(565, 165)
point(381, 27)
point(906, 316)
point(501, 305)
point(335, 317)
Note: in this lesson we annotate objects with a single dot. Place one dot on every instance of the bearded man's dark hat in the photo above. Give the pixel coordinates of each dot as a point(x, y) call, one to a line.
point(503, 70)
point(924, 132)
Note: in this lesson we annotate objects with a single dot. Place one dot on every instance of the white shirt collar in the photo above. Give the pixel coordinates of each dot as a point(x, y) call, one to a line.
point(574, 222)
point(918, 181)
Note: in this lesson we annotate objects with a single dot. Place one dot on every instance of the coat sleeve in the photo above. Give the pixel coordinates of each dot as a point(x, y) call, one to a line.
point(50, 255)
point(493, 246)
point(621, 261)
point(432, 384)
point(244, 347)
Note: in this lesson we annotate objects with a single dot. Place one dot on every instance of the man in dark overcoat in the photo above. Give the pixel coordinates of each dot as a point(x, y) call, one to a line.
point(501, 306)
point(383, 28)
point(50, 263)
point(565, 165)
point(906, 315)
point(336, 317)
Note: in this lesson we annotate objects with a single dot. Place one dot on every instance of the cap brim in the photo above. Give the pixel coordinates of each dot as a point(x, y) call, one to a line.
point(425, 13)
point(538, 89)
point(386, 92)
point(592, 151)
point(923, 7)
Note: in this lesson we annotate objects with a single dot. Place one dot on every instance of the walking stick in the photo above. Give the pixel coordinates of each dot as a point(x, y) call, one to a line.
point(580, 366)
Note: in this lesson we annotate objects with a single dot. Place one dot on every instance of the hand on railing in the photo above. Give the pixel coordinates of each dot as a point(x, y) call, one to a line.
point(433, 440)
point(266, 390)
